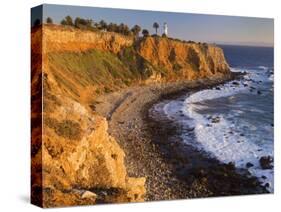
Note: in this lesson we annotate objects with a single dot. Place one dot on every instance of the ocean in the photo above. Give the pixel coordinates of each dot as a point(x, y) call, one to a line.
point(232, 122)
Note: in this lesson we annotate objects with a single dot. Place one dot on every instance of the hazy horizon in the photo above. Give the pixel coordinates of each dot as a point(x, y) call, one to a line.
point(219, 29)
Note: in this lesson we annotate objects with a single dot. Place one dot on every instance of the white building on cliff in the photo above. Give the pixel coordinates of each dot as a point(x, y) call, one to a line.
point(165, 26)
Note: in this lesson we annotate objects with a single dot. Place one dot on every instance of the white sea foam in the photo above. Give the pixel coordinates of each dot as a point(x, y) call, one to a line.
point(263, 67)
point(271, 77)
point(223, 139)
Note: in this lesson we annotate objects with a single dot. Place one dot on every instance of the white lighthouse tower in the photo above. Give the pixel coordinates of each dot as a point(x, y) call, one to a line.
point(165, 28)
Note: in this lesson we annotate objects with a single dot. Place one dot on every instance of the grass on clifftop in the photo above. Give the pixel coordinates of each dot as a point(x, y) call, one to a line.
point(105, 70)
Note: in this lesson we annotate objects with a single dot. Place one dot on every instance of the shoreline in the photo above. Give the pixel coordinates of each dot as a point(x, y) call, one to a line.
point(173, 169)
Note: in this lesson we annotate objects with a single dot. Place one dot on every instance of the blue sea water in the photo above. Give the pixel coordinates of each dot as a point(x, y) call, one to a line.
point(233, 122)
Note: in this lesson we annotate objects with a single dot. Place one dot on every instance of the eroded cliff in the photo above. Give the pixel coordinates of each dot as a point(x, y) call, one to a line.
point(183, 60)
point(74, 159)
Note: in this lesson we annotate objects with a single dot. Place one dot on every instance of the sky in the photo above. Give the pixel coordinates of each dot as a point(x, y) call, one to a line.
point(218, 29)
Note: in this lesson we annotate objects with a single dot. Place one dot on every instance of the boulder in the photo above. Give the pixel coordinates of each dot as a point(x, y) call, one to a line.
point(216, 119)
point(88, 195)
point(249, 165)
point(266, 162)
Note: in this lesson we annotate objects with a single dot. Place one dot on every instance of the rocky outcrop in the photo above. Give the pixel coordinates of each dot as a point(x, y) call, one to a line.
point(78, 156)
point(266, 162)
point(184, 60)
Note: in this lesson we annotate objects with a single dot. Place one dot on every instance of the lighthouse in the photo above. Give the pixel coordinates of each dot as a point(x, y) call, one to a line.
point(165, 28)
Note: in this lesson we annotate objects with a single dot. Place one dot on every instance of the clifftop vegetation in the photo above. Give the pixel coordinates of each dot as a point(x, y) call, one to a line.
point(92, 25)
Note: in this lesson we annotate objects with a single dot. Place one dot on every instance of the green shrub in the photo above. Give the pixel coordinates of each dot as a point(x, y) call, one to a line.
point(67, 128)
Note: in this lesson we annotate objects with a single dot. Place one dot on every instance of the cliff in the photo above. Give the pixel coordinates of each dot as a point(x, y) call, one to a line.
point(61, 39)
point(89, 63)
point(74, 160)
point(183, 60)
point(79, 156)
point(82, 163)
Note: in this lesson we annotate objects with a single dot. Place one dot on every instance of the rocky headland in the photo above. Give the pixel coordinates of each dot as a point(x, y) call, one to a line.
point(95, 142)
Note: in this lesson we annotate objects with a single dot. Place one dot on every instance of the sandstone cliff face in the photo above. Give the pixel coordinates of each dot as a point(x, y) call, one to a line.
point(74, 160)
point(184, 60)
point(60, 39)
point(92, 63)
point(78, 156)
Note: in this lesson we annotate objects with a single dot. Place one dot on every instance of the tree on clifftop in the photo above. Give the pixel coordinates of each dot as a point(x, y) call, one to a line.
point(82, 23)
point(145, 32)
point(136, 29)
point(69, 20)
point(112, 27)
point(49, 20)
point(63, 22)
point(156, 26)
point(103, 25)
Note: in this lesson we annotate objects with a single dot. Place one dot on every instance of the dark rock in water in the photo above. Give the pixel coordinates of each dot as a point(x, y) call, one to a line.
point(231, 165)
point(249, 165)
point(266, 162)
point(218, 88)
point(245, 85)
point(208, 125)
point(266, 185)
point(209, 117)
point(263, 177)
point(235, 83)
point(190, 129)
point(216, 120)
point(259, 92)
point(272, 124)
point(242, 134)
point(253, 88)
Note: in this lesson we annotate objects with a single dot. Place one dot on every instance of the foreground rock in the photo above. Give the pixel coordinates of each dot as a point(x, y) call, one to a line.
point(81, 156)
point(266, 162)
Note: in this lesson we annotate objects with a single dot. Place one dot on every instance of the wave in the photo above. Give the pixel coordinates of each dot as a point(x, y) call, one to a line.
point(221, 137)
point(225, 136)
point(263, 67)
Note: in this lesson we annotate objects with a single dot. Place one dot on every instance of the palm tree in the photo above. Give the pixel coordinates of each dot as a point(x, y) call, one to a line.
point(156, 26)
